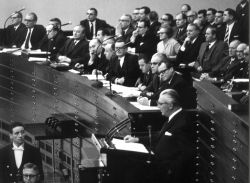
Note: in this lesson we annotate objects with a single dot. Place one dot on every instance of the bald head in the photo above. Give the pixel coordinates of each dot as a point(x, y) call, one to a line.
point(240, 50)
point(232, 48)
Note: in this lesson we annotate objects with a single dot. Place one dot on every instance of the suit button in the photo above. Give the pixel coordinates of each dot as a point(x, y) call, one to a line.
point(7, 166)
point(11, 174)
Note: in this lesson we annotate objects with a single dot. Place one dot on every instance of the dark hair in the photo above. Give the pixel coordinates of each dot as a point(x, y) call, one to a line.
point(31, 166)
point(203, 11)
point(170, 18)
point(164, 59)
point(212, 10)
point(95, 10)
point(184, 16)
point(146, 22)
point(153, 16)
point(146, 9)
point(213, 29)
point(57, 20)
point(232, 13)
point(220, 11)
point(15, 124)
point(105, 31)
point(169, 30)
point(34, 16)
point(120, 40)
point(145, 57)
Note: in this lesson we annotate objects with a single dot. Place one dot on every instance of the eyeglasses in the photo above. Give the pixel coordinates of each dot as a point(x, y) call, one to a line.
point(139, 27)
point(154, 63)
point(29, 176)
point(90, 13)
point(162, 32)
point(165, 19)
point(163, 71)
point(28, 20)
point(161, 103)
point(123, 20)
point(14, 17)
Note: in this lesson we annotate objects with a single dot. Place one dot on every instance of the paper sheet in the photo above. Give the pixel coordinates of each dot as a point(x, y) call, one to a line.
point(122, 145)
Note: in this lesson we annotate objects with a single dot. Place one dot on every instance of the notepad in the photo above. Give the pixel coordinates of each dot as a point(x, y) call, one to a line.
point(122, 145)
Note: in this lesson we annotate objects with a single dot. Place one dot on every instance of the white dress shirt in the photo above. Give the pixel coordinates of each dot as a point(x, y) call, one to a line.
point(18, 152)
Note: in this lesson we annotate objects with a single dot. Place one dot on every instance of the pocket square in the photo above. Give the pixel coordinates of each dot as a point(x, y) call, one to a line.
point(168, 133)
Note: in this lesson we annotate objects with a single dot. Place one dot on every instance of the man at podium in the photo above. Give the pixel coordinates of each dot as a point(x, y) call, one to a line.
point(173, 146)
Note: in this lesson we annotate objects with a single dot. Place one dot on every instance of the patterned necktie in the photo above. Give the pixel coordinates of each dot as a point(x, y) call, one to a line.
point(226, 38)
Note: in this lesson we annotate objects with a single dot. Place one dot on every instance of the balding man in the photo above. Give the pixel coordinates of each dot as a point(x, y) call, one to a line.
point(174, 144)
point(53, 41)
point(185, 8)
point(34, 32)
point(97, 61)
point(16, 32)
point(124, 27)
point(75, 50)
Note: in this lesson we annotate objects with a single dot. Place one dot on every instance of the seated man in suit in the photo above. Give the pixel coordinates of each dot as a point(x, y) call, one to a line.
point(146, 76)
point(53, 41)
point(124, 69)
point(31, 173)
point(210, 54)
point(16, 32)
point(97, 61)
point(34, 32)
point(181, 23)
point(124, 28)
point(173, 145)
point(169, 79)
point(15, 155)
point(92, 24)
point(75, 50)
point(143, 40)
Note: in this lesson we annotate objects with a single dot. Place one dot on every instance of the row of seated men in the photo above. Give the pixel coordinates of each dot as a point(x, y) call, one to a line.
point(194, 47)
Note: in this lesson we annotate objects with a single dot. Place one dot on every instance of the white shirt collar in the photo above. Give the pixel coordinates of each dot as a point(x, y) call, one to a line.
point(211, 44)
point(21, 147)
point(174, 113)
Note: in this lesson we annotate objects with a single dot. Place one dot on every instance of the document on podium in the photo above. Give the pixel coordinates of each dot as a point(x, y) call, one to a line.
point(122, 145)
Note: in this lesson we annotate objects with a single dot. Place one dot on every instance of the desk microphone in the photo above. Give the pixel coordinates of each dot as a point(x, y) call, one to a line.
point(150, 143)
point(68, 23)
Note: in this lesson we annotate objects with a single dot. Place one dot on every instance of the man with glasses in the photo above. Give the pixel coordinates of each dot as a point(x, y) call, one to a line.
point(191, 16)
point(31, 173)
point(34, 33)
point(124, 28)
point(174, 145)
point(53, 41)
point(169, 79)
point(92, 24)
point(143, 40)
point(15, 155)
point(124, 69)
point(15, 33)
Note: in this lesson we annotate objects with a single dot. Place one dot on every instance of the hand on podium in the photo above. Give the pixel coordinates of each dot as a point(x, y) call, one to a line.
point(129, 138)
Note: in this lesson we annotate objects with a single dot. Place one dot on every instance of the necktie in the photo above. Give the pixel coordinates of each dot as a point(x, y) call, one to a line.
point(92, 29)
point(226, 38)
point(28, 39)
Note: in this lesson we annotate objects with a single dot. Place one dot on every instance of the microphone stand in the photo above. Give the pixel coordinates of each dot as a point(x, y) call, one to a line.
point(97, 83)
point(150, 144)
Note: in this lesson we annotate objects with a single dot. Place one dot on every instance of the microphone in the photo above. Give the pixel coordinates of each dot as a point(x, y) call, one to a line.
point(150, 143)
point(18, 11)
point(68, 23)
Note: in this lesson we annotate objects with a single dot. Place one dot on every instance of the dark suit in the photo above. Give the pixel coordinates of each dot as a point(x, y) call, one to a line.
point(36, 37)
point(100, 63)
point(181, 34)
point(127, 35)
point(99, 24)
point(220, 32)
point(153, 86)
point(53, 45)
point(243, 16)
point(130, 69)
point(15, 37)
point(209, 59)
point(235, 32)
point(154, 27)
point(174, 154)
point(191, 51)
point(146, 44)
point(174, 149)
point(146, 78)
point(8, 168)
point(186, 91)
point(78, 53)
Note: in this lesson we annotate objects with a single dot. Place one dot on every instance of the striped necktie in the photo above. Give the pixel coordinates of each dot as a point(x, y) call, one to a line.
point(226, 38)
